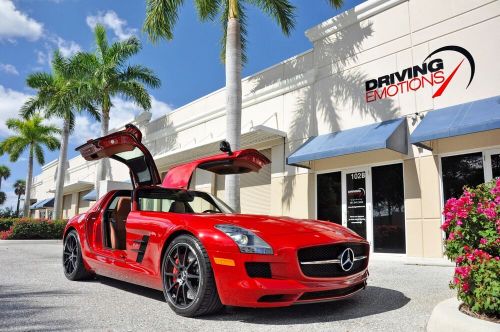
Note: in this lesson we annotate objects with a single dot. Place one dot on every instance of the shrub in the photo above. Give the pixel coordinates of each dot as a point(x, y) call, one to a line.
point(6, 224)
point(472, 224)
point(24, 229)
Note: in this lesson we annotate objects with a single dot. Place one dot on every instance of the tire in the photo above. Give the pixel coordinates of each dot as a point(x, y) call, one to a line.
point(73, 266)
point(188, 279)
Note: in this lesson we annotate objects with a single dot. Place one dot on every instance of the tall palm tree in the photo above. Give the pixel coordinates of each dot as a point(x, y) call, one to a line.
point(19, 190)
point(161, 16)
point(61, 94)
point(4, 173)
point(30, 135)
point(111, 76)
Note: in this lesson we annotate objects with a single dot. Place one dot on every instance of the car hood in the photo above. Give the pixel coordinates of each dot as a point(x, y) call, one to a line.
point(282, 226)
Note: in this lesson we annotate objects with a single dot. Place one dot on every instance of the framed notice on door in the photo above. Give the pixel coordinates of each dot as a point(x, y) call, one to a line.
point(356, 202)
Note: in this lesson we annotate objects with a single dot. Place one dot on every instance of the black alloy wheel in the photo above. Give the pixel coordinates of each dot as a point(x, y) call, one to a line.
point(73, 266)
point(188, 280)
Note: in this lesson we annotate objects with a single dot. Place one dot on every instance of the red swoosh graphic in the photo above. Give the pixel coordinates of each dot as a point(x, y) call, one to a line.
point(443, 86)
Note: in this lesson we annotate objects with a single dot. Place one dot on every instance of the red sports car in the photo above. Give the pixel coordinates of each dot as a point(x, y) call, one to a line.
point(194, 248)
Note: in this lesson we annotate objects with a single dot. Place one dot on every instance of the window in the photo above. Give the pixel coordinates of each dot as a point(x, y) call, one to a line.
point(329, 197)
point(495, 165)
point(180, 201)
point(459, 171)
point(388, 209)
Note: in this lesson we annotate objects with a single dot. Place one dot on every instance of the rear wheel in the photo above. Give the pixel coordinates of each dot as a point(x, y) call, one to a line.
point(73, 266)
point(188, 280)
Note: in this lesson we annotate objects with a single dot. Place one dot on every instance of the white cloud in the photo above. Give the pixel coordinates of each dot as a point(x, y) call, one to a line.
point(122, 112)
point(11, 201)
point(15, 24)
point(8, 69)
point(111, 20)
point(10, 103)
point(54, 42)
point(66, 47)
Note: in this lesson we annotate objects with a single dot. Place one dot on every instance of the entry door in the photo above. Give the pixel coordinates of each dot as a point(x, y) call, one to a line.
point(356, 197)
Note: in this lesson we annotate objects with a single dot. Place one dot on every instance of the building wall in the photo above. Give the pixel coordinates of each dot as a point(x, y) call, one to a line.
point(323, 90)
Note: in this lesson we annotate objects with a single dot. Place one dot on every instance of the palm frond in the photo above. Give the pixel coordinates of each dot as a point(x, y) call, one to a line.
point(282, 11)
point(141, 74)
point(336, 3)
point(40, 158)
point(161, 16)
point(207, 9)
point(101, 40)
point(135, 92)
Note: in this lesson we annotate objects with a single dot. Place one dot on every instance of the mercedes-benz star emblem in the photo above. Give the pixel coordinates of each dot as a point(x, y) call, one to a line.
point(347, 259)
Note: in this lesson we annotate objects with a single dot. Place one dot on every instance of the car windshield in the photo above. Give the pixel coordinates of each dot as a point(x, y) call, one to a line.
point(180, 201)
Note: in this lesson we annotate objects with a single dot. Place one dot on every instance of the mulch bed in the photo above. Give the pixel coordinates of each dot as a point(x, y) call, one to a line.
point(466, 310)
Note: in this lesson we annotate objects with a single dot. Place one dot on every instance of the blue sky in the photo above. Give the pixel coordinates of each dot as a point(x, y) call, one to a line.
point(189, 66)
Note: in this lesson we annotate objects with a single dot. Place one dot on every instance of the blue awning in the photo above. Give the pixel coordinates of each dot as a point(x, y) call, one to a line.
point(90, 196)
point(390, 134)
point(473, 117)
point(43, 204)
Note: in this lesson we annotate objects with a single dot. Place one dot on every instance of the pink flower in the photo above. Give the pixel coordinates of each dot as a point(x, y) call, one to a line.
point(465, 287)
point(483, 241)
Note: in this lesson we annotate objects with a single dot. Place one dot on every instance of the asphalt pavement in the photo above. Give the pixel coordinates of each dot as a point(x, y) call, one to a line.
point(35, 296)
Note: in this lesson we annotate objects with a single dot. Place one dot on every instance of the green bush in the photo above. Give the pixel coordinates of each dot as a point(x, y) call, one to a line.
point(472, 223)
point(27, 229)
point(6, 224)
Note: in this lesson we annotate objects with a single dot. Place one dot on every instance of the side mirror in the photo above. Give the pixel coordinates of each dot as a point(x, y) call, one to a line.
point(225, 147)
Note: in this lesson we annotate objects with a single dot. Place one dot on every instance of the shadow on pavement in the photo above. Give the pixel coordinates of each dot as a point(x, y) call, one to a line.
point(26, 310)
point(132, 288)
point(371, 301)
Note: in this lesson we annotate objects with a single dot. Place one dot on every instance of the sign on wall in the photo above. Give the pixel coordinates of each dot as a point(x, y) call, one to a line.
point(432, 72)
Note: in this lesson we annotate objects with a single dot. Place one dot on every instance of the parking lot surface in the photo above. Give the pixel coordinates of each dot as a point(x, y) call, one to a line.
point(35, 296)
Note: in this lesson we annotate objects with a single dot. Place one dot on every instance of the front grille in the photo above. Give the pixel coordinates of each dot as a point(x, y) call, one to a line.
point(331, 293)
point(331, 252)
point(258, 270)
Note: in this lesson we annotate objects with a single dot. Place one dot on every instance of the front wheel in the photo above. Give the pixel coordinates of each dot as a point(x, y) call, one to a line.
point(188, 280)
point(73, 266)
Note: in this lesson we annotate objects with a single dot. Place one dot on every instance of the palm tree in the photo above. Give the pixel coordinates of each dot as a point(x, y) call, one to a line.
point(111, 76)
point(161, 16)
point(4, 173)
point(61, 94)
point(19, 190)
point(30, 135)
point(3, 197)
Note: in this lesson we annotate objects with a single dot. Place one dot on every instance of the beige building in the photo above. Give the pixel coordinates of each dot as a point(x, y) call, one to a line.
point(392, 111)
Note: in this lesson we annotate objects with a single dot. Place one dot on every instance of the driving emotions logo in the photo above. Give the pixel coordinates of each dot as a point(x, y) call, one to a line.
point(429, 73)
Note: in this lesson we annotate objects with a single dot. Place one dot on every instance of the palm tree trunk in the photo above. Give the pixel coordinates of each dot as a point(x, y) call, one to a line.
point(233, 105)
point(103, 165)
point(61, 171)
point(29, 179)
point(18, 202)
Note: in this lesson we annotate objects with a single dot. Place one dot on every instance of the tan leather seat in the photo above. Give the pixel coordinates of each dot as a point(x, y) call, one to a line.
point(117, 229)
point(177, 207)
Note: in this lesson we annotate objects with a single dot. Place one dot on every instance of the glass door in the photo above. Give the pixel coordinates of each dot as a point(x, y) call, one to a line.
point(357, 202)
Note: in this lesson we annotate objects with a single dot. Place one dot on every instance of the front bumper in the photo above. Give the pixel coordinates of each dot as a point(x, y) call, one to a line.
point(287, 286)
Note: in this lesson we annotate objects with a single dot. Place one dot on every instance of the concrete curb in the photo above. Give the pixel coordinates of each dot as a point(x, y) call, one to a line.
point(447, 317)
point(29, 241)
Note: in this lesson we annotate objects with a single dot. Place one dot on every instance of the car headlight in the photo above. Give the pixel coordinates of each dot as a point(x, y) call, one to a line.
point(247, 241)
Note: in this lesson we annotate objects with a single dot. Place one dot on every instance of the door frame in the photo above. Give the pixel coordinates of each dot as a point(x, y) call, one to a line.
point(369, 199)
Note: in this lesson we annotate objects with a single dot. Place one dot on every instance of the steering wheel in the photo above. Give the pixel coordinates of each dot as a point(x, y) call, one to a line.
point(210, 211)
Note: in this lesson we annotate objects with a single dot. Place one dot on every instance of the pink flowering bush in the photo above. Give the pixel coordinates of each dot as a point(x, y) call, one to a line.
point(472, 224)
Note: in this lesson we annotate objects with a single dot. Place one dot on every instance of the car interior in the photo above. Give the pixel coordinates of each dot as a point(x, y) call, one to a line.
point(114, 220)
